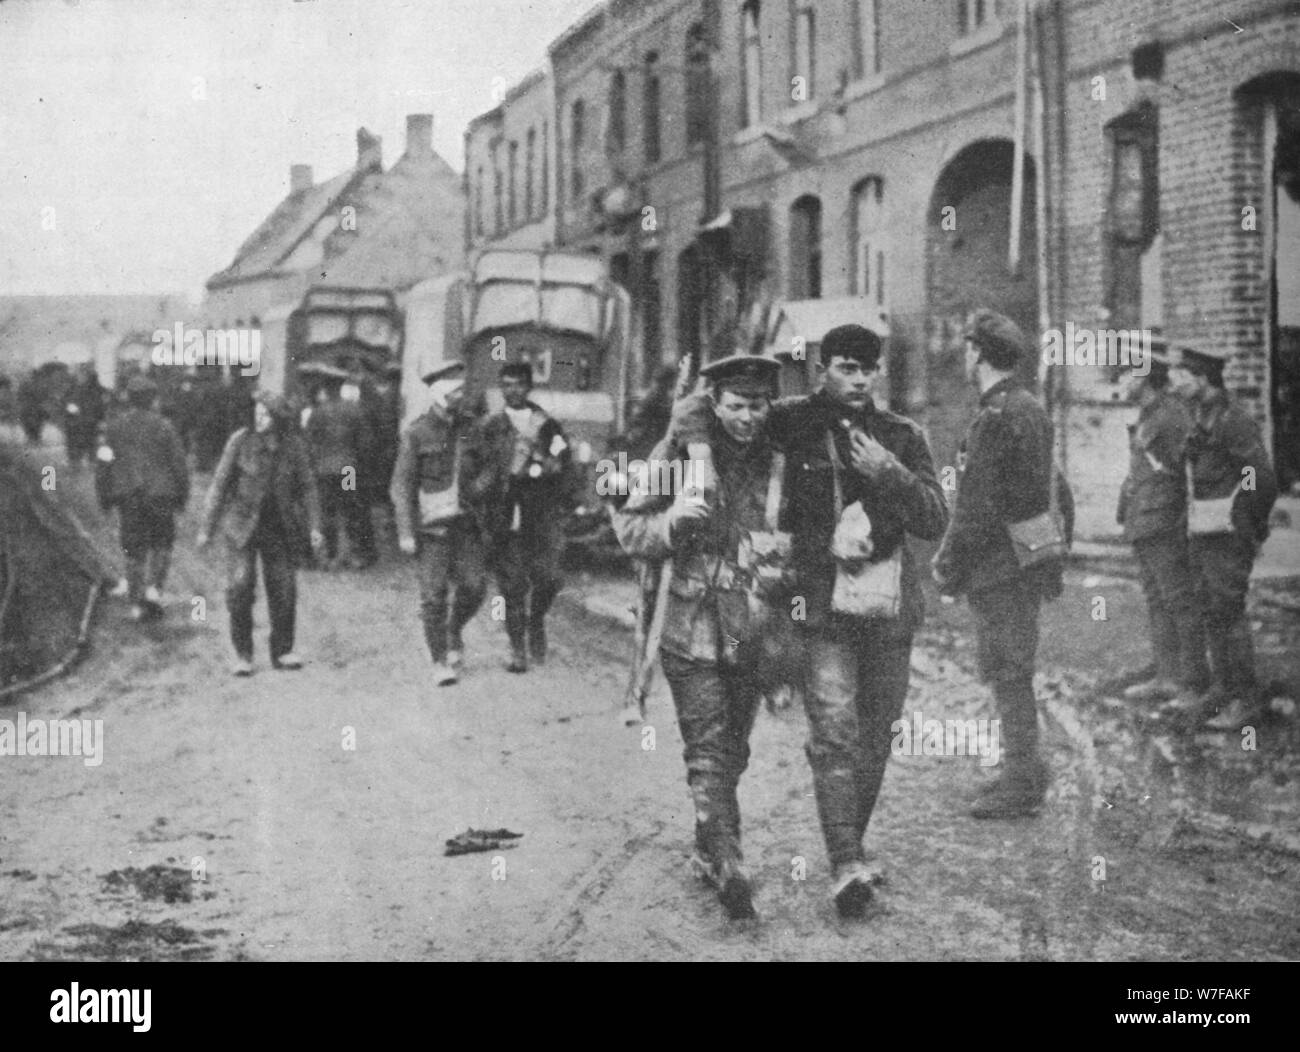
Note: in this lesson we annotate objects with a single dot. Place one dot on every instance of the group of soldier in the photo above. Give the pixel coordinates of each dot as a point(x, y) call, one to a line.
point(785, 552)
point(471, 492)
point(811, 470)
point(1195, 505)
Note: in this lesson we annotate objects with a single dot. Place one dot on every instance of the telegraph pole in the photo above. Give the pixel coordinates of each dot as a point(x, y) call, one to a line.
point(711, 20)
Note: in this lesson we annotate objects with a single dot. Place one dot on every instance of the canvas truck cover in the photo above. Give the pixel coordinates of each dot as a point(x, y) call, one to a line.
point(557, 292)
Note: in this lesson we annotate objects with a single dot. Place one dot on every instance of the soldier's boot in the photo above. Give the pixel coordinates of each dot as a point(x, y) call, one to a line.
point(537, 637)
point(1165, 648)
point(718, 858)
point(1244, 702)
point(1019, 792)
point(160, 561)
point(851, 888)
point(543, 596)
point(463, 608)
point(516, 630)
point(1193, 667)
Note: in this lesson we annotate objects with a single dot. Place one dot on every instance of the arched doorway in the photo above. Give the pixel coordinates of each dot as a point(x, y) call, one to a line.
point(1271, 114)
point(967, 233)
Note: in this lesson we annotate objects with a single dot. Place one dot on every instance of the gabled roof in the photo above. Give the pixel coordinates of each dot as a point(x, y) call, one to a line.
point(410, 225)
point(281, 231)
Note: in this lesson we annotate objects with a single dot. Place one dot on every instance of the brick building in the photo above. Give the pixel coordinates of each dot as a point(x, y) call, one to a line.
point(509, 158)
point(866, 148)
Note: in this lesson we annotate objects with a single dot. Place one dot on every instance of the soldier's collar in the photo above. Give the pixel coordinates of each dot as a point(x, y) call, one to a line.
point(998, 390)
point(838, 409)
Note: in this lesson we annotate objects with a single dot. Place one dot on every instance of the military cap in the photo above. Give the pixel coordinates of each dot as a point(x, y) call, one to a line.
point(443, 371)
point(748, 374)
point(999, 339)
point(1161, 353)
point(851, 341)
point(323, 370)
point(1201, 362)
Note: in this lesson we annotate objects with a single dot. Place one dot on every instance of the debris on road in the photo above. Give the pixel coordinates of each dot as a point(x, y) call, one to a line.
point(480, 840)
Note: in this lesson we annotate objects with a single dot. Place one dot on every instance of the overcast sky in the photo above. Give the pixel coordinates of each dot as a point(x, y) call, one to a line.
point(160, 132)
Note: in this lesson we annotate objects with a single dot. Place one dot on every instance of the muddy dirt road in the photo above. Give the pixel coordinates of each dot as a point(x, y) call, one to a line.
point(313, 806)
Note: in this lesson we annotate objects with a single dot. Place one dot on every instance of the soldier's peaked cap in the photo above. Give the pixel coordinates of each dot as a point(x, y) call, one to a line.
point(1202, 361)
point(445, 371)
point(996, 333)
point(324, 370)
point(744, 372)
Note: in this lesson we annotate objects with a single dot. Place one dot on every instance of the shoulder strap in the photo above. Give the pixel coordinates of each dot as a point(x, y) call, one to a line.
point(775, 497)
point(835, 472)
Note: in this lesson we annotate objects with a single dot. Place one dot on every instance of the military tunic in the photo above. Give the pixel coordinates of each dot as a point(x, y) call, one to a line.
point(1005, 475)
point(1153, 512)
point(1224, 442)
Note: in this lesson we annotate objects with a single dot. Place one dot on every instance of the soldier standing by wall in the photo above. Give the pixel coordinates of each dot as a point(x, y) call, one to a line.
point(434, 522)
point(1230, 470)
point(1153, 512)
point(141, 471)
point(527, 495)
point(1006, 471)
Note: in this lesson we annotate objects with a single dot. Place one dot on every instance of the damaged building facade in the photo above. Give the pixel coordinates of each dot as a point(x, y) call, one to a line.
point(725, 156)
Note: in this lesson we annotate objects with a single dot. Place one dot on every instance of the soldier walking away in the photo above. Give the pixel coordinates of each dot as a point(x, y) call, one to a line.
point(1153, 512)
point(141, 471)
point(713, 683)
point(337, 438)
point(1230, 471)
point(1005, 477)
point(434, 523)
point(33, 410)
point(263, 499)
point(528, 492)
point(83, 413)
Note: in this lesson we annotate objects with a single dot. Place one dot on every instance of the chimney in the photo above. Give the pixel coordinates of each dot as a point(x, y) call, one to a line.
point(299, 177)
point(419, 134)
point(369, 150)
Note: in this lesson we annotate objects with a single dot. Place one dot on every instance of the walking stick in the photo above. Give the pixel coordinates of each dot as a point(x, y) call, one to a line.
point(652, 603)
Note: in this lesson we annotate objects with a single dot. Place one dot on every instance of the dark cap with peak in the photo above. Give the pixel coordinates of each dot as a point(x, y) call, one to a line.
point(1201, 361)
point(748, 374)
point(444, 371)
point(1000, 340)
point(323, 371)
